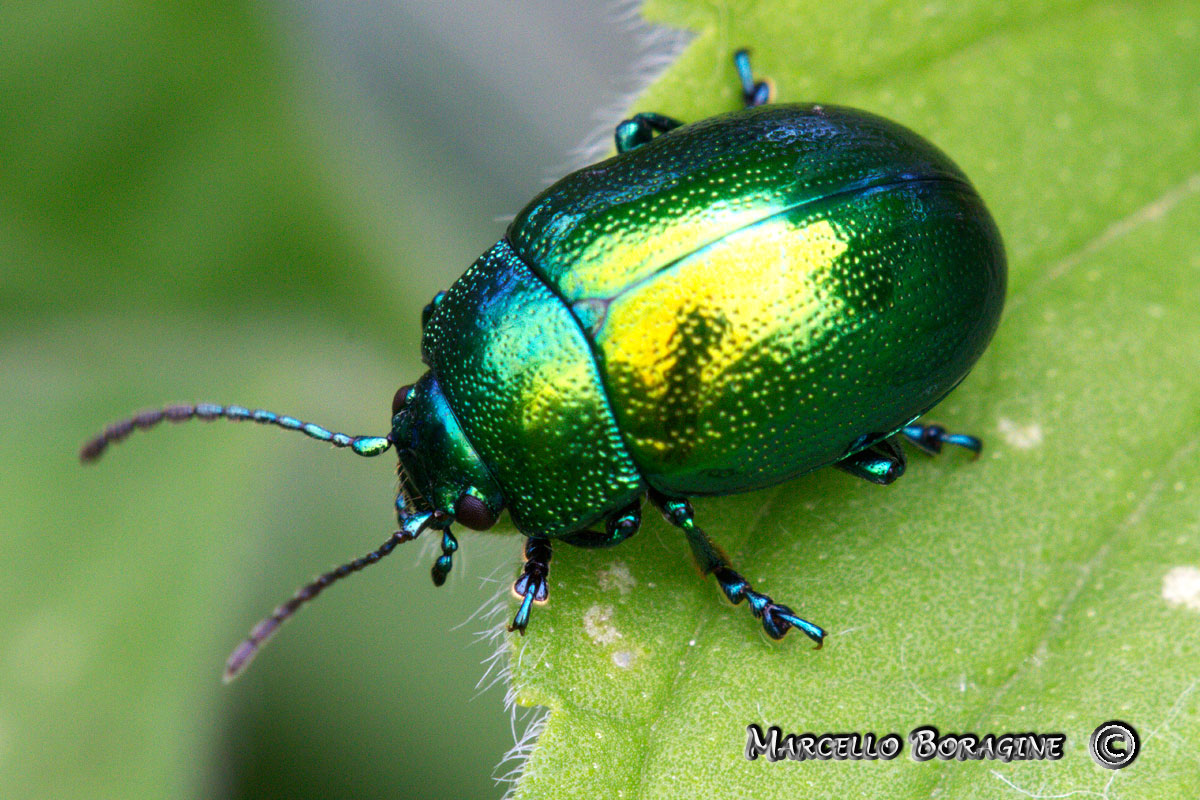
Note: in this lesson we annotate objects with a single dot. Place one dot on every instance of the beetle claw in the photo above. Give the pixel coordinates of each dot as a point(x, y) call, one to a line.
point(781, 618)
point(931, 438)
point(778, 619)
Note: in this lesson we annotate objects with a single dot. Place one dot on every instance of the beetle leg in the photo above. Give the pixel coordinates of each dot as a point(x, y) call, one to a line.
point(617, 528)
point(776, 619)
point(930, 438)
point(881, 463)
point(753, 93)
point(531, 587)
point(445, 562)
point(633, 133)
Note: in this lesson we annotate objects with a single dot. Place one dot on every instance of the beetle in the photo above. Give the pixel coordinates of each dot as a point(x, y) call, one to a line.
point(717, 308)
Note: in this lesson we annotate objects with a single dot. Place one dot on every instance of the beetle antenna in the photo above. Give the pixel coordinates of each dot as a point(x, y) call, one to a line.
point(411, 527)
point(117, 431)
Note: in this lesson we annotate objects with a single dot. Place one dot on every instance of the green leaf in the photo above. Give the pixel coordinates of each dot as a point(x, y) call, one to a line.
point(1051, 585)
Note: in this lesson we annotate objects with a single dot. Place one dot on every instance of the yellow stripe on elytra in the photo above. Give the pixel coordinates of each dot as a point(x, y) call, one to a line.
point(627, 250)
point(719, 305)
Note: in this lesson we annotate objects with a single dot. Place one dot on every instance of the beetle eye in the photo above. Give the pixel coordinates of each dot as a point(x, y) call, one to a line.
point(401, 398)
point(473, 513)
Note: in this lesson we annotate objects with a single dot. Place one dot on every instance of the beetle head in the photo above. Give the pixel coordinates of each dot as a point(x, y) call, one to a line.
point(439, 468)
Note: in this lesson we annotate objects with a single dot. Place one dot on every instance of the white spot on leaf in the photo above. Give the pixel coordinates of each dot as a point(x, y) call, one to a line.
point(1022, 437)
point(1181, 587)
point(616, 577)
point(597, 624)
point(622, 658)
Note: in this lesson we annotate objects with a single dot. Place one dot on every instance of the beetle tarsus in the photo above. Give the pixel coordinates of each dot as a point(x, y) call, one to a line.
point(930, 438)
point(754, 93)
point(776, 619)
point(532, 587)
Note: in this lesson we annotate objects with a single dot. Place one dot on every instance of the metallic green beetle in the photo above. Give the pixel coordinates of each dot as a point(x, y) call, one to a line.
point(719, 307)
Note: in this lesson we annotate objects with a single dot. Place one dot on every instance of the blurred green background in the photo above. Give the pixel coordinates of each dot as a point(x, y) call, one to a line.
point(242, 202)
